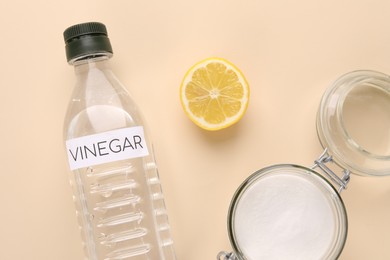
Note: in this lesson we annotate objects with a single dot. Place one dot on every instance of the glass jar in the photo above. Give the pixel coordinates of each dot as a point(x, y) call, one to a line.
point(290, 211)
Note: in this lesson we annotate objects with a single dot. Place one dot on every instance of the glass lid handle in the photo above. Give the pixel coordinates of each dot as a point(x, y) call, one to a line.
point(321, 162)
point(226, 256)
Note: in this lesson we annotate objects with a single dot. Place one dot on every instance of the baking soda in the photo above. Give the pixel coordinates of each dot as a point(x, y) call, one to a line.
point(284, 216)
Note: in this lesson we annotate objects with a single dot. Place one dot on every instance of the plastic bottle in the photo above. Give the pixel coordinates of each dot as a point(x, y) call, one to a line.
point(117, 192)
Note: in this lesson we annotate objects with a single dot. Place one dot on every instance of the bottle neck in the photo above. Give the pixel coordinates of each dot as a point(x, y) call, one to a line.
point(85, 64)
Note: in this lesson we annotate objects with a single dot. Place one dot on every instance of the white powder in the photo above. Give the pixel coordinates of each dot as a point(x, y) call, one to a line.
point(284, 216)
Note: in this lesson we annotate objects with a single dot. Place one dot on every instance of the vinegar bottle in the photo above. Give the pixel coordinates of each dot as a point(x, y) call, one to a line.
point(119, 201)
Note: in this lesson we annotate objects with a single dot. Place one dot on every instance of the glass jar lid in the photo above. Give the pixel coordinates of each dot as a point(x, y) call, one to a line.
point(287, 212)
point(353, 122)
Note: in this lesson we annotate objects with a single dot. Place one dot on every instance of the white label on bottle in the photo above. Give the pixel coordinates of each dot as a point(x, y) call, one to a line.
point(121, 144)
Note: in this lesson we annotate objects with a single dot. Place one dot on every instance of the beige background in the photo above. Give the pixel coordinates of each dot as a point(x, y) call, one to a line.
point(290, 51)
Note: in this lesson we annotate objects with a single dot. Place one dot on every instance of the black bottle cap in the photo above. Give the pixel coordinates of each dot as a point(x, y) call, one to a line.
point(86, 39)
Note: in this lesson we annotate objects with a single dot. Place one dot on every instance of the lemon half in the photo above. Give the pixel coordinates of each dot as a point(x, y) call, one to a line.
point(214, 94)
